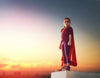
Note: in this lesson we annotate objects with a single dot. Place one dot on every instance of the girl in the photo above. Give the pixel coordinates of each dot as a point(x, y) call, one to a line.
point(67, 46)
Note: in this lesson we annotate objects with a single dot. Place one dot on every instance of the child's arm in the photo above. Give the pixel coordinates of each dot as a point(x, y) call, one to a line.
point(60, 42)
point(60, 46)
point(70, 38)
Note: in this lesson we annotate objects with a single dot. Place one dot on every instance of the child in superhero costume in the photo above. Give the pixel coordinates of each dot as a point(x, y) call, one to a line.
point(67, 46)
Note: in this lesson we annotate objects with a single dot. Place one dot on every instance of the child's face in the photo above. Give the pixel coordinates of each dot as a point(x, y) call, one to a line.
point(66, 22)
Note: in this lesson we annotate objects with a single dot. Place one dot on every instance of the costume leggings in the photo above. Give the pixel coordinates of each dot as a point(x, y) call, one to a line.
point(65, 52)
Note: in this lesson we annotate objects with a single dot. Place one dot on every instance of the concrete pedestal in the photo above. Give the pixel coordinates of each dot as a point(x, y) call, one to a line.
point(59, 74)
point(74, 74)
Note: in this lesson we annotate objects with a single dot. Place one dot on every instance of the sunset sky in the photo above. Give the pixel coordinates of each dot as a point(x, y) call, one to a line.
point(30, 34)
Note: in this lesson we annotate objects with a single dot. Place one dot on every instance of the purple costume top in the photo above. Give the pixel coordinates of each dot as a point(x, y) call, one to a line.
point(65, 33)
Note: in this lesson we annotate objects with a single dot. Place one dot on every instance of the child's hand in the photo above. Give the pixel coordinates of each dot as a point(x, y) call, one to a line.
point(69, 43)
point(60, 46)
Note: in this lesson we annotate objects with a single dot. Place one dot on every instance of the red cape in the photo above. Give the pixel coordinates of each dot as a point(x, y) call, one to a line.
point(72, 53)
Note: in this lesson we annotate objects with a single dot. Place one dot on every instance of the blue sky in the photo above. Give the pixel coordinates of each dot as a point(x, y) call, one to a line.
point(84, 13)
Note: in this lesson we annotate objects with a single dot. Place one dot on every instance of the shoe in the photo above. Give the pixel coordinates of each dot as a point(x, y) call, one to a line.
point(59, 69)
point(62, 68)
point(66, 68)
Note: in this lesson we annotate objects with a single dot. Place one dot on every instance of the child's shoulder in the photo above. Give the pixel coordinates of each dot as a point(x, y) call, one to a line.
point(70, 27)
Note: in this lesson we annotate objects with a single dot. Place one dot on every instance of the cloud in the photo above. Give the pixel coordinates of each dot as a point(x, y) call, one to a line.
point(3, 65)
point(4, 59)
point(16, 66)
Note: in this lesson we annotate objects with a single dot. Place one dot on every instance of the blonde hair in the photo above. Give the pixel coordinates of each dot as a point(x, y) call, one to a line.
point(67, 18)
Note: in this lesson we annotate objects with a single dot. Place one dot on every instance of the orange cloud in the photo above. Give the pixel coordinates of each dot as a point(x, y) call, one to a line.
point(3, 65)
point(16, 66)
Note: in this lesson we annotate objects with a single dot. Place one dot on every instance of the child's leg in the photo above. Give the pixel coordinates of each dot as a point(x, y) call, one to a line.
point(65, 53)
point(67, 67)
